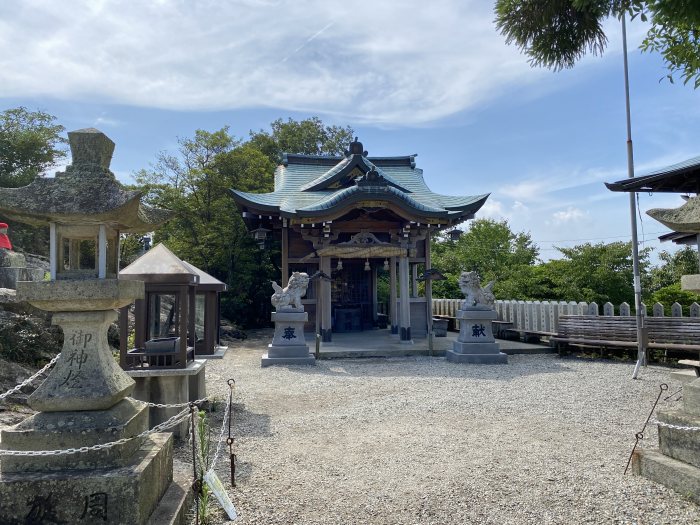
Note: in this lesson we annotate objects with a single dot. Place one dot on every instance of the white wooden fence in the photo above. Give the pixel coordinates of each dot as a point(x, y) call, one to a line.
point(543, 316)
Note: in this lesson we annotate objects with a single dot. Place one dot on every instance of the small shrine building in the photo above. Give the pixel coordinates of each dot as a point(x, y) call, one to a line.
point(348, 217)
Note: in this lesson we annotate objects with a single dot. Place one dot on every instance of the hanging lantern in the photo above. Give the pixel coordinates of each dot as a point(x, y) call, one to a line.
point(340, 265)
point(260, 235)
point(386, 265)
point(367, 267)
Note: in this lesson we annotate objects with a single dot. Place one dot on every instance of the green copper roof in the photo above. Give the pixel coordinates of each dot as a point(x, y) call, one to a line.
point(683, 177)
point(316, 186)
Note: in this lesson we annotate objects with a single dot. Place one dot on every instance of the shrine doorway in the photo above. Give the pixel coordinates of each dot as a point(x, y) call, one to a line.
point(353, 303)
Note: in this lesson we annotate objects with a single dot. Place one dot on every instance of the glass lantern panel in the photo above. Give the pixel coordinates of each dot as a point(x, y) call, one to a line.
point(199, 317)
point(162, 315)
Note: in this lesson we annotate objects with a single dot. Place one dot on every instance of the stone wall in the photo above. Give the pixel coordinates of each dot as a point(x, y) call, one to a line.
point(543, 316)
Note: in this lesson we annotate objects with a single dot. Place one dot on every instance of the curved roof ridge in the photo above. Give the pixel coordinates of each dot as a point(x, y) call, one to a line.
point(371, 192)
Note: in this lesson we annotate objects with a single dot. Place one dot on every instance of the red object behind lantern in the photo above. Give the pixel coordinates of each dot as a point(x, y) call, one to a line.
point(4, 239)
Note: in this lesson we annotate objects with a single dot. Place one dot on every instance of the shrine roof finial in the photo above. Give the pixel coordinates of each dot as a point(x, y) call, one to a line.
point(356, 149)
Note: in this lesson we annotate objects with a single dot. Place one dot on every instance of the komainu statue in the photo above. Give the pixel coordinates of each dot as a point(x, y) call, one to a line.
point(288, 299)
point(476, 297)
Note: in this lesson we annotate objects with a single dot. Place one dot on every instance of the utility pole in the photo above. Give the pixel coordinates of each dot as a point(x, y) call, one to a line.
point(641, 340)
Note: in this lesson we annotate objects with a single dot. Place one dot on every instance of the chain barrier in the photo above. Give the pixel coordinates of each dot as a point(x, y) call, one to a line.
point(663, 387)
point(171, 422)
point(30, 379)
point(675, 427)
point(174, 405)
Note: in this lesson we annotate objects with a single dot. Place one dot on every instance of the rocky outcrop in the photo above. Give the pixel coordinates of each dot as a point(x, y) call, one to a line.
point(26, 333)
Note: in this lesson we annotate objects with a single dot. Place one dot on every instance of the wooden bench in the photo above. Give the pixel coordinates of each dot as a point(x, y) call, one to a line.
point(528, 335)
point(668, 333)
point(451, 322)
point(500, 328)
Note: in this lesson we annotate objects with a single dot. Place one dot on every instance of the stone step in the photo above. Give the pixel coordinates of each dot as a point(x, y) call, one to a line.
point(674, 474)
point(683, 445)
point(691, 397)
point(684, 376)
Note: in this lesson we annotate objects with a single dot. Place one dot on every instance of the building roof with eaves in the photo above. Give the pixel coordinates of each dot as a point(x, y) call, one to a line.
point(318, 187)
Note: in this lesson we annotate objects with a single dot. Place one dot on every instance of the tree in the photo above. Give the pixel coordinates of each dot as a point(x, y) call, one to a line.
point(207, 230)
point(594, 272)
point(669, 272)
point(309, 136)
point(30, 143)
point(557, 33)
point(491, 249)
point(673, 294)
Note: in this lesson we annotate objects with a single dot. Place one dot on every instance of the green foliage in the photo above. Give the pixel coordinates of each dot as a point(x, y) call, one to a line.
point(558, 33)
point(682, 262)
point(208, 231)
point(491, 249)
point(308, 136)
point(587, 272)
point(554, 33)
point(673, 294)
point(30, 143)
point(203, 447)
point(131, 246)
point(595, 272)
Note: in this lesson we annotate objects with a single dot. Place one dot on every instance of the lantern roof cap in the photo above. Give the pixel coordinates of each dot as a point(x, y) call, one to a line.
point(87, 192)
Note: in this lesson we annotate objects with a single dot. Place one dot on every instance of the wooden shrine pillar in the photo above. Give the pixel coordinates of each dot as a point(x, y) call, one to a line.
point(393, 313)
point(325, 296)
point(404, 301)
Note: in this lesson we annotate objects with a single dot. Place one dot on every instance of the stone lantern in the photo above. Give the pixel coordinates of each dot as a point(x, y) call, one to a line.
point(83, 402)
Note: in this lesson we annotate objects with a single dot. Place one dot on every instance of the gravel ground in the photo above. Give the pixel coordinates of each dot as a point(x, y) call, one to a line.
point(541, 440)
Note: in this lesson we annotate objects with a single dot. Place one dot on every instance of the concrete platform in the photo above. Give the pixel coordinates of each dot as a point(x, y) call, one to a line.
point(219, 353)
point(380, 343)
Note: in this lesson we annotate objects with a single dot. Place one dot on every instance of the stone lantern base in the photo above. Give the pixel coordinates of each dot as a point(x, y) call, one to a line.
point(127, 495)
point(476, 344)
point(288, 345)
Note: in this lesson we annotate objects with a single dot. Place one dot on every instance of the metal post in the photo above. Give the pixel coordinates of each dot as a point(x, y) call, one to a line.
point(641, 347)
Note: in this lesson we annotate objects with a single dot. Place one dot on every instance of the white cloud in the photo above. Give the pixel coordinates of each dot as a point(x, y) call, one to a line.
point(571, 214)
point(492, 209)
point(381, 62)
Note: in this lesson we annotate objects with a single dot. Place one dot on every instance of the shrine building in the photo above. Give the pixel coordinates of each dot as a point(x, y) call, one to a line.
point(352, 218)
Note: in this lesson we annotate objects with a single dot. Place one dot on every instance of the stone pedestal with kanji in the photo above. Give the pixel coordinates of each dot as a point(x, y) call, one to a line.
point(288, 345)
point(475, 343)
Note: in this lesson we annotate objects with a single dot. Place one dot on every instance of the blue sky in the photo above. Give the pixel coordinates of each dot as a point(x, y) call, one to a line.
point(432, 78)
